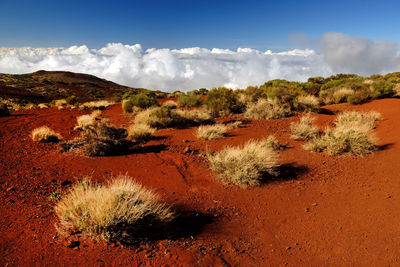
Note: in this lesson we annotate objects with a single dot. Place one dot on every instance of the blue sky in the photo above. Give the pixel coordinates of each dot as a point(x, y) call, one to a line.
point(176, 24)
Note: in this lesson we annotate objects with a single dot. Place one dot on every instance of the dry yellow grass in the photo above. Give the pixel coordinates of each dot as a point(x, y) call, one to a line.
point(140, 133)
point(351, 135)
point(89, 119)
point(211, 132)
point(308, 102)
point(99, 210)
point(267, 109)
point(101, 104)
point(45, 134)
point(304, 129)
point(170, 104)
point(245, 165)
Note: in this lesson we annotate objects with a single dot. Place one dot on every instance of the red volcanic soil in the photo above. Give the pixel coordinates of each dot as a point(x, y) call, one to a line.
point(323, 210)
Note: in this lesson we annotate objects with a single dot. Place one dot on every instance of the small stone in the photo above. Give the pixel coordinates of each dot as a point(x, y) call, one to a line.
point(10, 188)
point(314, 204)
point(307, 209)
point(289, 248)
point(187, 150)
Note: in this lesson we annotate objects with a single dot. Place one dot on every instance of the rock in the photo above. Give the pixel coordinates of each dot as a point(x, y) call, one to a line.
point(187, 150)
point(314, 204)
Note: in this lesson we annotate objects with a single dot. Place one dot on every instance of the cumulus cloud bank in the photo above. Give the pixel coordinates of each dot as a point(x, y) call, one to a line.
point(191, 68)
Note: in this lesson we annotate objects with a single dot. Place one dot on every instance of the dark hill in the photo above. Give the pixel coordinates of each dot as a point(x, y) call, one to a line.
point(44, 86)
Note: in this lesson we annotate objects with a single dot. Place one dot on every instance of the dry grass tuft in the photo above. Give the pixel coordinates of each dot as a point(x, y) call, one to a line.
point(308, 103)
point(163, 117)
point(304, 129)
point(99, 139)
point(170, 104)
point(45, 134)
point(351, 135)
point(211, 132)
point(140, 133)
point(267, 109)
point(101, 104)
point(86, 120)
point(105, 211)
point(245, 166)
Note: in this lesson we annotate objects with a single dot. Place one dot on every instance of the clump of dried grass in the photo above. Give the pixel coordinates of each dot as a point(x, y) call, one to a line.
point(106, 211)
point(140, 133)
point(245, 165)
point(211, 132)
point(304, 129)
point(351, 135)
point(267, 109)
point(45, 134)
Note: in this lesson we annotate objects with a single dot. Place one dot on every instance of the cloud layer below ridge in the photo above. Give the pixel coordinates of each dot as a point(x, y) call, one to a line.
point(192, 68)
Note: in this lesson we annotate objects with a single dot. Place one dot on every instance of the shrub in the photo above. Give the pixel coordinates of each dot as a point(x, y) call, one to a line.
point(211, 132)
point(45, 134)
point(235, 124)
point(339, 141)
point(267, 109)
point(304, 130)
point(163, 117)
point(140, 133)
point(341, 95)
point(60, 103)
point(87, 120)
point(106, 211)
point(43, 105)
point(221, 101)
point(4, 110)
point(307, 103)
point(72, 100)
point(143, 100)
point(362, 121)
point(190, 100)
point(100, 104)
point(196, 116)
point(170, 104)
point(99, 139)
point(352, 135)
point(127, 106)
point(245, 166)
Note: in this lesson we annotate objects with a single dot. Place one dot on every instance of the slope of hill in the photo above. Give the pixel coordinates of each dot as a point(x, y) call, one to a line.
point(44, 86)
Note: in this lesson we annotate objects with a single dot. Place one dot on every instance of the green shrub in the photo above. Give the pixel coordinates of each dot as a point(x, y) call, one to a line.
point(127, 106)
point(190, 100)
point(221, 101)
point(143, 101)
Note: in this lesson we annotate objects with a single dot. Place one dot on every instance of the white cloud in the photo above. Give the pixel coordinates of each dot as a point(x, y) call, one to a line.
point(195, 67)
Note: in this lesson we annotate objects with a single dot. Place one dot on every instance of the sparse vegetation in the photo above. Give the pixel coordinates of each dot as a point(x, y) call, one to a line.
point(245, 166)
point(304, 129)
point(221, 101)
point(45, 134)
point(100, 104)
point(87, 120)
point(190, 100)
point(164, 117)
point(351, 135)
point(99, 139)
point(140, 133)
point(106, 211)
point(170, 104)
point(267, 109)
point(211, 132)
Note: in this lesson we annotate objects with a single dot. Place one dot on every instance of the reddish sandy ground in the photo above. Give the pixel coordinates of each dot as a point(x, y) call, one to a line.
point(323, 210)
